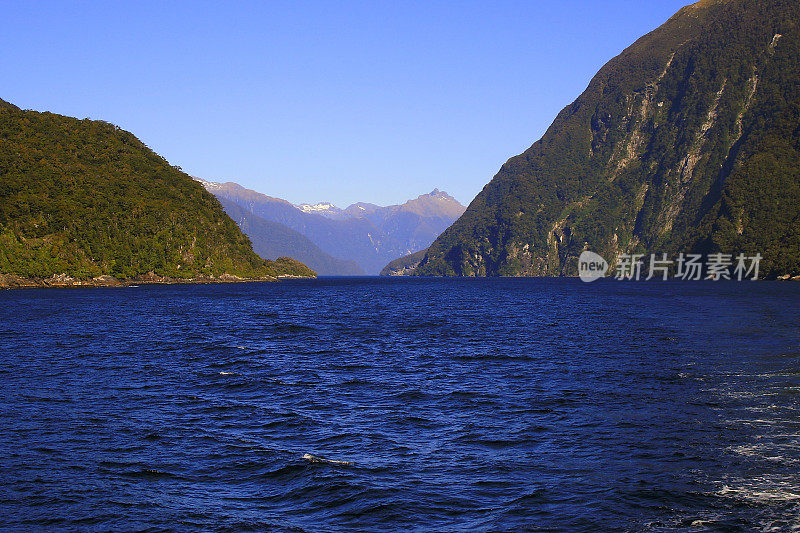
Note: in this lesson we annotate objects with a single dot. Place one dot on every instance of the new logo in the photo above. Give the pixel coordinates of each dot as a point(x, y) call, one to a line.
point(591, 266)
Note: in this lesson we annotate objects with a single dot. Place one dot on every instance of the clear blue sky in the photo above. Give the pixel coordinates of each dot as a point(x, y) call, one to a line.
point(373, 101)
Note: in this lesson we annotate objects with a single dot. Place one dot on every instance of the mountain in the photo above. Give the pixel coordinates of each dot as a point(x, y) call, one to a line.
point(688, 141)
point(404, 266)
point(364, 233)
point(272, 240)
point(325, 209)
point(416, 223)
point(86, 199)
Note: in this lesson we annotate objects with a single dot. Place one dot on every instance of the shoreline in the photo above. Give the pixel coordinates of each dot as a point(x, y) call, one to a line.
point(62, 281)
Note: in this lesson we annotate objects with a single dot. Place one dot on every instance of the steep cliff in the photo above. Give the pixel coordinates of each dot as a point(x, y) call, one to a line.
point(688, 141)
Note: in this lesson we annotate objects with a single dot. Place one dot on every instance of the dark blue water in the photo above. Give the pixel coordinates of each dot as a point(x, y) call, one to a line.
point(402, 404)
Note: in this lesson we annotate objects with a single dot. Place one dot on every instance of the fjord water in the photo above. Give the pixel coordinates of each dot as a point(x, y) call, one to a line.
point(396, 404)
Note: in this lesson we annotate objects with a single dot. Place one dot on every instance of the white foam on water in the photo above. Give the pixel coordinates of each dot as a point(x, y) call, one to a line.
point(758, 406)
point(762, 490)
point(316, 459)
point(754, 421)
point(768, 452)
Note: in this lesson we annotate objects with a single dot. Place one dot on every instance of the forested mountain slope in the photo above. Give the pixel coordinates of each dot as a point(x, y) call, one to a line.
point(688, 141)
point(86, 199)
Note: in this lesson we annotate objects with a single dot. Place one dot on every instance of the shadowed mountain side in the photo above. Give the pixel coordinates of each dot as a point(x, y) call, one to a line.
point(272, 240)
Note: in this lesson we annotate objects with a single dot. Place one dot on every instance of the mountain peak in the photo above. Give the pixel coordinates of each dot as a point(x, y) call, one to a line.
point(320, 206)
point(325, 209)
point(439, 195)
point(435, 203)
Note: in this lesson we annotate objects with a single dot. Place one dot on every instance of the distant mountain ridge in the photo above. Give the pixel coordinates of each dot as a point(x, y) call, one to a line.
point(362, 233)
point(434, 204)
point(325, 209)
point(273, 239)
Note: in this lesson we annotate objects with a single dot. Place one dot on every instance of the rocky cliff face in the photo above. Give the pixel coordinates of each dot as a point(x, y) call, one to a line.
point(687, 141)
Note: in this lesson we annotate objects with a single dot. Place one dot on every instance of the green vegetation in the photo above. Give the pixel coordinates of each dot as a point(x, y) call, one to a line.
point(86, 198)
point(688, 141)
point(404, 266)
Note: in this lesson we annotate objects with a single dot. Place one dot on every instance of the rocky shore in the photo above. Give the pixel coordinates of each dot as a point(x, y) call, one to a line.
point(10, 281)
